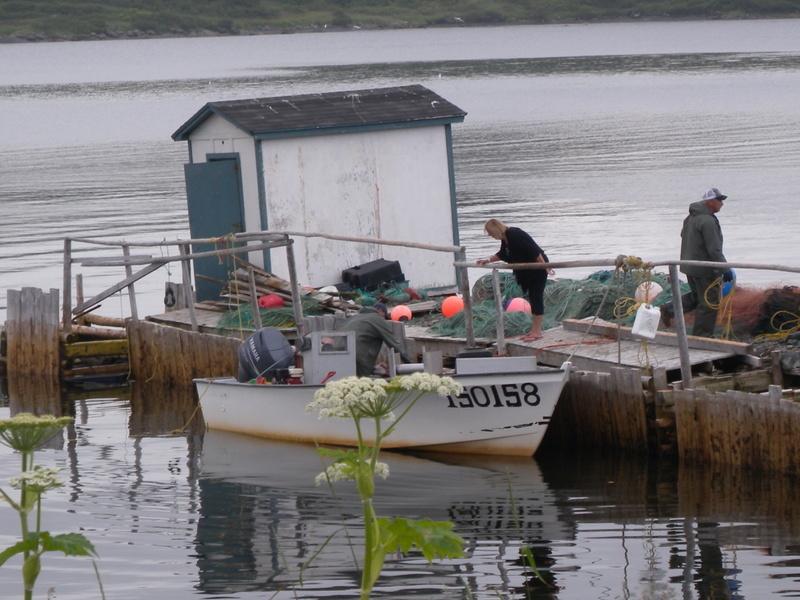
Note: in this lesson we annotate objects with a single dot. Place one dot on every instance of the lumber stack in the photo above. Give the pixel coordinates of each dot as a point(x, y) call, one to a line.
point(95, 346)
point(238, 291)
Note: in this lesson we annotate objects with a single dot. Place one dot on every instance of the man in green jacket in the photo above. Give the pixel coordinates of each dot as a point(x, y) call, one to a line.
point(372, 330)
point(701, 239)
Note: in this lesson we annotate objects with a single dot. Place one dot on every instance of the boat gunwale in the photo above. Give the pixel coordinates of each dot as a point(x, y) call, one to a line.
point(230, 380)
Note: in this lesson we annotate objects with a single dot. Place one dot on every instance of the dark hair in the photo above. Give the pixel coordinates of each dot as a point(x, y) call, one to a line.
point(380, 306)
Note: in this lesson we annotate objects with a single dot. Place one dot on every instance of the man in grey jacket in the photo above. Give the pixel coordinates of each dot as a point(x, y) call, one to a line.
point(372, 331)
point(701, 239)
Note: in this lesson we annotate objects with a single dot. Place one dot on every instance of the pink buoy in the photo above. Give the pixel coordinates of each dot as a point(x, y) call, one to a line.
point(401, 313)
point(519, 305)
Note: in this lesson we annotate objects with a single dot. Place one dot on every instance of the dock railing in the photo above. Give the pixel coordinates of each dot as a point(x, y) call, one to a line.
point(253, 242)
point(262, 240)
point(620, 262)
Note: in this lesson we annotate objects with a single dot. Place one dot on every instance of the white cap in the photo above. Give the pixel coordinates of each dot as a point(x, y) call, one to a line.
point(714, 194)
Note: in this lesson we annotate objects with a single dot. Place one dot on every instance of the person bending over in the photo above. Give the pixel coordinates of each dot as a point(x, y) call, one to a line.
point(372, 330)
point(516, 246)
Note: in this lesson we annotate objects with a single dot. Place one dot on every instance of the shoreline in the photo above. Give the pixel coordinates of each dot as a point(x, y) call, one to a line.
point(206, 33)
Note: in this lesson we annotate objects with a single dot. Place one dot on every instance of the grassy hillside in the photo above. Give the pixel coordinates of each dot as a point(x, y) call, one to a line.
point(93, 19)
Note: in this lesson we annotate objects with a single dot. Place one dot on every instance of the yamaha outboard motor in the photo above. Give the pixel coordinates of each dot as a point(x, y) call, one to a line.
point(264, 353)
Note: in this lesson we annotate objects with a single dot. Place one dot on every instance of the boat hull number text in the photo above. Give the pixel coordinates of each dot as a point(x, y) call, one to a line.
point(506, 394)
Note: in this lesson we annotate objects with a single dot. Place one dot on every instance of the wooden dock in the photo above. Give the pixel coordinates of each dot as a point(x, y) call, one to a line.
point(663, 395)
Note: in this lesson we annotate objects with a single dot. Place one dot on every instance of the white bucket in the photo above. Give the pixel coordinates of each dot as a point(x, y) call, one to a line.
point(646, 323)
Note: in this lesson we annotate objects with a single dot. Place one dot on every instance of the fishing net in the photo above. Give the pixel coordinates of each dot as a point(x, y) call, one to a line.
point(563, 299)
point(395, 293)
point(241, 317)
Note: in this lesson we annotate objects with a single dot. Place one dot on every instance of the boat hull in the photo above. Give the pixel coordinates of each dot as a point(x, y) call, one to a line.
point(501, 414)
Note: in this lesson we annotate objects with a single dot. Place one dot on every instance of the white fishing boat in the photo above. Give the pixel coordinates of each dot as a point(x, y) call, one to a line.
point(504, 408)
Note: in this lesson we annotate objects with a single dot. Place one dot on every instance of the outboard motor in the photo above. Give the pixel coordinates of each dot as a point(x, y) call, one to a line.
point(264, 353)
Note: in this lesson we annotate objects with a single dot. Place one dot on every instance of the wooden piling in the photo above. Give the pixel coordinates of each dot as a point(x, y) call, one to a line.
point(176, 356)
point(600, 410)
point(32, 332)
point(757, 431)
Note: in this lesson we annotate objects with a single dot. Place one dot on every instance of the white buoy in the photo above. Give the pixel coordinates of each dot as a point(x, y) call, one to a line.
point(647, 291)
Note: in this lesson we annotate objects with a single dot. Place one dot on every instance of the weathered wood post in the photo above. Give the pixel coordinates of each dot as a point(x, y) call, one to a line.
point(498, 302)
point(187, 282)
point(126, 251)
point(463, 284)
point(32, 338)
point(297, 306)
point(254, 298)
point(680, 328)
point(66, 317)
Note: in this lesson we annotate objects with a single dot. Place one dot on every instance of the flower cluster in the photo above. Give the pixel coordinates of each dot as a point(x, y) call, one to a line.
point(38, 480)
point(427, 382)
point(351, 397)
point(26, 432)
point(360, 397)
point(346, 470)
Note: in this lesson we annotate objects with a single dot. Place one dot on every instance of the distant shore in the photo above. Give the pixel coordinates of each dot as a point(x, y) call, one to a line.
point(86, 20)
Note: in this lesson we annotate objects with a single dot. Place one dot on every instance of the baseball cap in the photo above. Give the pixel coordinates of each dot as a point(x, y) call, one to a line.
point(714, 194)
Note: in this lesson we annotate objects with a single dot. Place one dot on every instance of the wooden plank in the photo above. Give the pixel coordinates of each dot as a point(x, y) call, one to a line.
point(93, 319)
point(101, 332)
point(117, 287)
point(96, 348)
point(96, 371)
point(603, 328)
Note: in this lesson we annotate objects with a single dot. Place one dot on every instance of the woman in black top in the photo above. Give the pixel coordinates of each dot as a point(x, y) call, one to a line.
point(516, 246)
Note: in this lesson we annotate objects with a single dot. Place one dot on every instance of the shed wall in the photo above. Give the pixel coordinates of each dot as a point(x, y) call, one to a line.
point(390, 184)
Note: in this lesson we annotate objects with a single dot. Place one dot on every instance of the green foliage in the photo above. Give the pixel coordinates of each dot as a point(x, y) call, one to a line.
point(364, 399)
point(24, 546)
point(82, 19)
point(26, 433)
point(71, 544)
point(435, 539)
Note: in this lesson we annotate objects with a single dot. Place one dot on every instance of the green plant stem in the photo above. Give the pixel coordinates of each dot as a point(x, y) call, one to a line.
point(370, 539)
point(408, 407)
point(27, 463)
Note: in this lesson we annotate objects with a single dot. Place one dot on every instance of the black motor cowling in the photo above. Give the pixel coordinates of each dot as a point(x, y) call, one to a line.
point(264, 353)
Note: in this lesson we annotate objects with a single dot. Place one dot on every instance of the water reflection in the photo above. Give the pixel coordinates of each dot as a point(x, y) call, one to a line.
point(174, 509)
point(261, 513)
point(590, 523)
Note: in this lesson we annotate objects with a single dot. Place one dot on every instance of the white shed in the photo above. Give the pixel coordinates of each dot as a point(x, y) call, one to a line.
point(373, 163)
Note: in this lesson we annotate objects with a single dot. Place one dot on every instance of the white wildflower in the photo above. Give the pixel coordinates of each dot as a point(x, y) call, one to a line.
point(39, 479)
point(428, 382)
point(26, 432)
point(343, 471)
point(359, 396)
point(381, 470)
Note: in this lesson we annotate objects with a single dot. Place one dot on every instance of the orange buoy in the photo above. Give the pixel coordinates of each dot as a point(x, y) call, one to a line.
point(519, 305)
point(452, 305)
point(401, 313)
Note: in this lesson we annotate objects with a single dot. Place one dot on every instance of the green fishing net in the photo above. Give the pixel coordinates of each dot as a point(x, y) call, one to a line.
point(563, 299)
point(241, 317)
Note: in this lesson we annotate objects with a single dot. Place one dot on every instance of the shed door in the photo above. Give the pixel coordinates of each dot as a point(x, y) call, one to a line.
point(214, 196)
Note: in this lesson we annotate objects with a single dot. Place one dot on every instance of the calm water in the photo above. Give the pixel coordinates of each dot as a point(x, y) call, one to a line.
point(595, 138)
point(187, 515)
